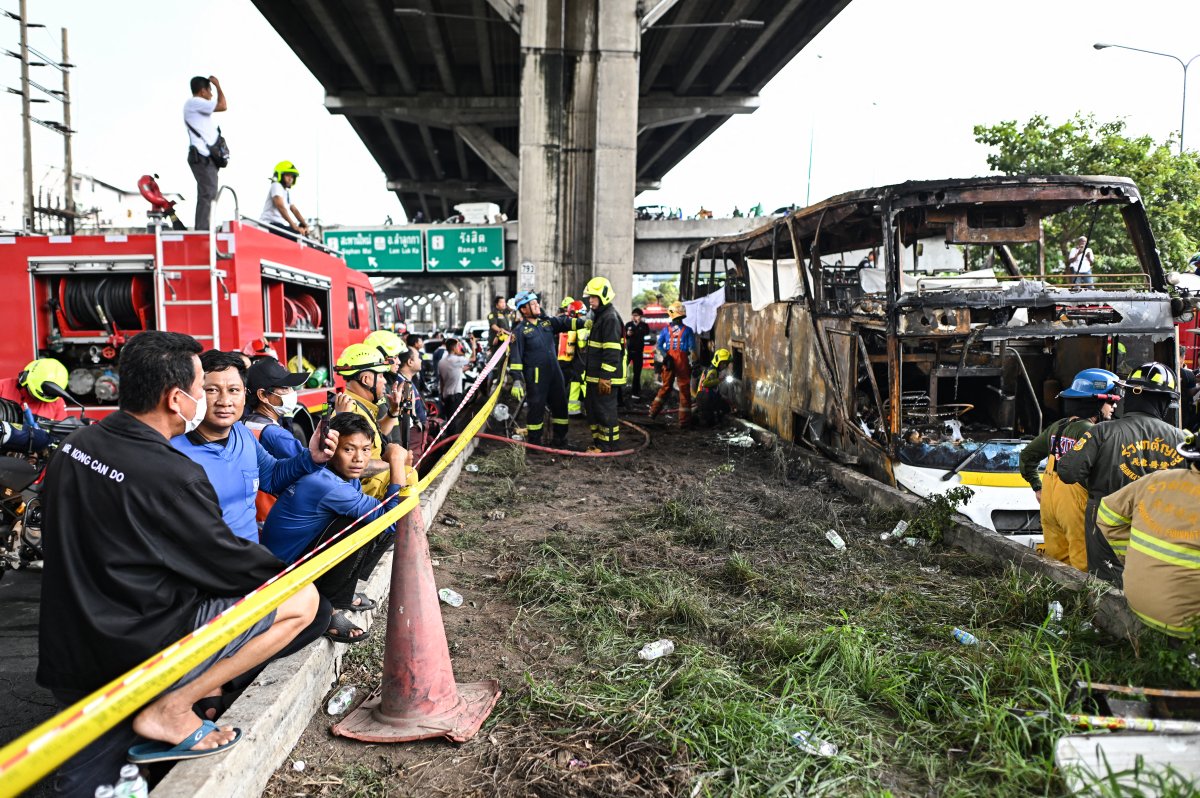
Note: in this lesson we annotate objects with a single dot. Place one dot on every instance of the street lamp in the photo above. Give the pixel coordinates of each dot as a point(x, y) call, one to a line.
point(1180, 61)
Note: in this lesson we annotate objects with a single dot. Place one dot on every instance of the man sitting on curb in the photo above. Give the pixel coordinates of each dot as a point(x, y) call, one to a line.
point(305, 514)
point(137, 555)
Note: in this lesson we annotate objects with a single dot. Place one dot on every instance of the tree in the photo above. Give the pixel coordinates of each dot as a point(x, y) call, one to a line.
point(1169, 184)
point(668, 288)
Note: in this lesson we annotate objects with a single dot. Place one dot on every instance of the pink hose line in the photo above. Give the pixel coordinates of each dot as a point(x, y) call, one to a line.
point(566, 452)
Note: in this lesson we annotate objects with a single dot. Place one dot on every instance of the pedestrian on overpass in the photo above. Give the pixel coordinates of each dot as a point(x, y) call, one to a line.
point(677, 346)
point(605, 366)
point(534, 362)
point(138, 556)
point(203, 133)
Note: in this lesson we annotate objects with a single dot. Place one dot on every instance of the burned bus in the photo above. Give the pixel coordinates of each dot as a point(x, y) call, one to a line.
point(921, 332)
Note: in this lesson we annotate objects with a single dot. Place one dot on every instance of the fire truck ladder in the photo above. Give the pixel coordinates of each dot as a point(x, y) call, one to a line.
point(165, 274)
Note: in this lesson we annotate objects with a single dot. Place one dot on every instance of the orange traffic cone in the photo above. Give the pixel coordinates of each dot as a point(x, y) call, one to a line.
point(418, 697)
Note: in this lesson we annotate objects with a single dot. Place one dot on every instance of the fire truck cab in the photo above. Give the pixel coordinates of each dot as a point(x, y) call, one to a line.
point(79, 298)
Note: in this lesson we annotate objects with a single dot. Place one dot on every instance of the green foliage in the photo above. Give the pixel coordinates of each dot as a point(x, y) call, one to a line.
point(936, 513)
point(1169, 184)
point(668, 288)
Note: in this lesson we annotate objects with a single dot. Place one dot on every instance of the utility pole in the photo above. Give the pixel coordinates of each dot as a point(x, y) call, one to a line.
point(25, 129)
point(68, 167)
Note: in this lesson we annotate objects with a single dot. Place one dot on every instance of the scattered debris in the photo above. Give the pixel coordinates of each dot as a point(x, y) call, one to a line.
point(450, 597)
point(496, 515)
point(806, 742)
point(740, 439)
point(1055, 608)
point(298, 765)
point(338, 703)
point(578, 764)
point(451, 521)
point(914, 543)
point(833, 537)
point(931, 569)
point(964, 637)
point(472, 468)
point(659, 648)
point(897, 531)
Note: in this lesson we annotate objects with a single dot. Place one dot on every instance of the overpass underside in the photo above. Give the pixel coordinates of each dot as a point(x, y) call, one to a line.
point(558, 110)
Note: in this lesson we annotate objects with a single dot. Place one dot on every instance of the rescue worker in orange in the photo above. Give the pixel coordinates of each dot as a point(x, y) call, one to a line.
point(677, 346)
point(1110, 456)
point(30, 388)
point(1153, 525)
point(1091, 399)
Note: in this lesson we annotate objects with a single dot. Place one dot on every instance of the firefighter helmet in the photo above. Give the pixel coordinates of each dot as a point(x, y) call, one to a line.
point(387, 342)
point(600, 288)
point(676, 310)
point(1190, 448)
point(43, 370)
point(360, 357)
point(524, 298)
point(577, 308)
point(300, 365)
point(1152, 377)
point(1194, 262)
point(1093, 384)
point(566, 303)
point(286, 168)
point(259, 347)
point(721, 357)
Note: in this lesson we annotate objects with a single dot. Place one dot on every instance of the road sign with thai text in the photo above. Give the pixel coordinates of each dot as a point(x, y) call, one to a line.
point(378, 250)
point(464, 249)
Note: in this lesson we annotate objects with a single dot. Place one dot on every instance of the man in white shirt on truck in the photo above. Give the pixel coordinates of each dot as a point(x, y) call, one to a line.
point(203, 132)
point(1080, 261)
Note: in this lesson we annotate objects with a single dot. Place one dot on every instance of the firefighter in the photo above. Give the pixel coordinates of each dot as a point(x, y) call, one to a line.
point(29, 388)
point(279, 210)
point(564, 307)
point(534, 361)
point(1091, 399)
point(1110, 456)
point(604, 368)
point(1152, 526)
point(570, 361)
point(677, 346)
point(364, 367)
point(710, 405)
point(499, 325)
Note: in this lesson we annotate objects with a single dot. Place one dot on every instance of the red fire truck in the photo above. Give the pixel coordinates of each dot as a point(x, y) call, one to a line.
point(79, 298)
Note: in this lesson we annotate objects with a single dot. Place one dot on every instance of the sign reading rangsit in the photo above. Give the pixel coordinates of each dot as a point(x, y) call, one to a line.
point(436, 249)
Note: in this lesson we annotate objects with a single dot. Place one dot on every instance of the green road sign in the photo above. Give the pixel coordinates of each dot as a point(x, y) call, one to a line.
point(378, 250)
point(464, 249)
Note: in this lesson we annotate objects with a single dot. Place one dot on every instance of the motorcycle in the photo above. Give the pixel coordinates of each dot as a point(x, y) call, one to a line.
point(21, 479)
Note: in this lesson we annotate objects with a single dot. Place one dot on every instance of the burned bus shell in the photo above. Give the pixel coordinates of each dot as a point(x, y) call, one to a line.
point(922, 331)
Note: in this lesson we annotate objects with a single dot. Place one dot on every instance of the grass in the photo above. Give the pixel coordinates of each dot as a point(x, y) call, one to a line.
point(776, 633)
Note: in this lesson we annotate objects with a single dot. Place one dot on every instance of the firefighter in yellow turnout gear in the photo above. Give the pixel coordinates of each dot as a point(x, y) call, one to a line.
point(1153, 524)
point(1090, 400)
point(605, 366)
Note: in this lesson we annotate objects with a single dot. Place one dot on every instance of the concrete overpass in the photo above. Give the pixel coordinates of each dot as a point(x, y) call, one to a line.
point(558, 112)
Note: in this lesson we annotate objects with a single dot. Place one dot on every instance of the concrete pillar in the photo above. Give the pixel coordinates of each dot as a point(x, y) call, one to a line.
point(579, 93)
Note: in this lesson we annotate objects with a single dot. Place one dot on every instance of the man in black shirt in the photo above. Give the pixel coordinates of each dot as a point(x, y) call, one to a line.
point(636, 332)
point(137, 556)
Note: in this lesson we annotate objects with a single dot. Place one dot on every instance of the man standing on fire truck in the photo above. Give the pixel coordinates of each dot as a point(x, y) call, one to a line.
point(203, 133)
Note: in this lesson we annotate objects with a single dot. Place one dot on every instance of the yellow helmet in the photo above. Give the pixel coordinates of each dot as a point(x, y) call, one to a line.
point(566, 303)
point(360, 357)
point(387, 342)
point(300, 365)
point(286, 168)
point(676, 310)
point(600, 288)
point(721, 357)
point(45, 369)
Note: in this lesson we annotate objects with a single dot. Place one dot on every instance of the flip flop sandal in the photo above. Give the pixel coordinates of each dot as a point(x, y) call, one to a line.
point(341, 630)
point(165, 752)
point(365, 603)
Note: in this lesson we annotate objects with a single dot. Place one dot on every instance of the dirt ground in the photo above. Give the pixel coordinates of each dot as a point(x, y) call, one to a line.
point(569, 565)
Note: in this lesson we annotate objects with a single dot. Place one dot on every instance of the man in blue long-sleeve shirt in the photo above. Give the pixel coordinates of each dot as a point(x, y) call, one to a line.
point(236, 464)
point(305, 514)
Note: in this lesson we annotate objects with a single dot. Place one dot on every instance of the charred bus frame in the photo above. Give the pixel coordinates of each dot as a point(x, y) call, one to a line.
point(867, 361)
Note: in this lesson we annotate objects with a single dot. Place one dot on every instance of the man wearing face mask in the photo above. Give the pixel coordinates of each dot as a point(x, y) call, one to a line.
point(365, 370)
point(137, 556)
point(271, 402)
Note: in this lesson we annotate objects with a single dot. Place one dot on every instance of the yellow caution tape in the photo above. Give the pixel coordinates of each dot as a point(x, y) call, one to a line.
point(33, 755)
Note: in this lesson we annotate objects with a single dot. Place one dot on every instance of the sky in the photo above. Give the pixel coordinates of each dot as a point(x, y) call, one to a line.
point(889, 91)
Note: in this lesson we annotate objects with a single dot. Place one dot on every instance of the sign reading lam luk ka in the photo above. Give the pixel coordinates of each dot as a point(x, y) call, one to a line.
point(378, 250)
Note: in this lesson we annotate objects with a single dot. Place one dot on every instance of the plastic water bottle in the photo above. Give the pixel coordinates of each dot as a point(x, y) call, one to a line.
point(450, 597)
point(659, 648)
point(339, 701)
point(131, 785)
point(1055, 610)
point(104, 791)
point(836, 539)
point(897, 532)
point(472, 468)
point(964, 637)
point(805, 741)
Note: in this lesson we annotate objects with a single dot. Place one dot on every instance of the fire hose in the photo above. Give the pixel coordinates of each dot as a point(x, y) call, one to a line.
point(550, 450)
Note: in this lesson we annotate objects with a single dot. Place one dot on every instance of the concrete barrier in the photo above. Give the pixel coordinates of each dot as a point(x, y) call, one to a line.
point(276, 708)
point(1111, 611)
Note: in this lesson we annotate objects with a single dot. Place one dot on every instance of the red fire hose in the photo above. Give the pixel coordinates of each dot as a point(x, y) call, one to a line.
point(487, 436)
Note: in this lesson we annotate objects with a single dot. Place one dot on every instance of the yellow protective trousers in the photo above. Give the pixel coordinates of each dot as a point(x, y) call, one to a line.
point(1063, 526)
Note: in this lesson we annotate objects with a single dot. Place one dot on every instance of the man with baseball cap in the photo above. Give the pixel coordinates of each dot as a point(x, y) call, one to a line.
point(271, 402)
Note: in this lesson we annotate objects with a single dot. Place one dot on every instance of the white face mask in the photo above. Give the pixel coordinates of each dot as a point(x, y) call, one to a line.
point(290, 404)
point(190, 424)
